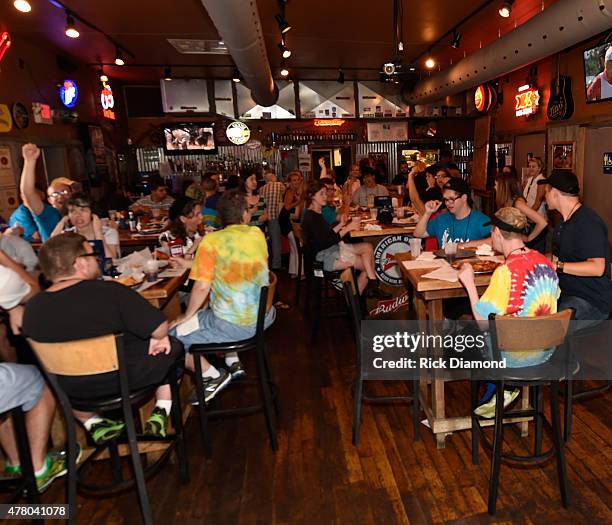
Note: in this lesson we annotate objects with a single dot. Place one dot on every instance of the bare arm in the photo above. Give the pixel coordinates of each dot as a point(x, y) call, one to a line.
point(594, 267)
point(7, 262)
point(539, 221)
point(540, 196)
point(199, 294)
point(421, 228)
point(30, 196)
point(415, 199)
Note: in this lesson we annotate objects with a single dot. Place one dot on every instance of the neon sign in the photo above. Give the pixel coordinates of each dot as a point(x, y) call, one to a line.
point(69, 93)
point(325, 122)
point(479, 98)
point(238, 133)
point(108, 101)
point(5, 43)
point(527, 101)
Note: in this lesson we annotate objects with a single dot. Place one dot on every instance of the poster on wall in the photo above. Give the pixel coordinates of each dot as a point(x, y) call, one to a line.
point(607, 163)
point(563, 157)
point(387, 131)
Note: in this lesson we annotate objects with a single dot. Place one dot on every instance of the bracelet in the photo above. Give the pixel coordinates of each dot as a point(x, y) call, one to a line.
point(560, 266)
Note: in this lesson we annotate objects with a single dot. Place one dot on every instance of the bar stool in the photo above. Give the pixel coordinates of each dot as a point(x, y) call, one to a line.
point(269, 392)
point(298, 234)
point(99, 355)
point(526, 334)
point(353, 303)
point(27, 481)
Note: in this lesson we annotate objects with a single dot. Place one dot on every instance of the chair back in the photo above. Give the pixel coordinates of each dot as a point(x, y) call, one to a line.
point(83, 357)
point(529, 333)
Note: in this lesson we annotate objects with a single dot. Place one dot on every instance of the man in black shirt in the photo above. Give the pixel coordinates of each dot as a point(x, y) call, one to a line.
point(79, 306)
point(580, 242)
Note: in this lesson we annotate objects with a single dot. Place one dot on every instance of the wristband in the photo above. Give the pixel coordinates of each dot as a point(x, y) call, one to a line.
point(560, 265)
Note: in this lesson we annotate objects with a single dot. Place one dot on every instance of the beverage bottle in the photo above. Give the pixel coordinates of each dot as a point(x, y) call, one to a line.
point(176, 248)
point(132, 221)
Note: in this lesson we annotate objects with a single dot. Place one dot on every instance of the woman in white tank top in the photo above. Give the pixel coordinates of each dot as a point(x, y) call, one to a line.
point(535, 194)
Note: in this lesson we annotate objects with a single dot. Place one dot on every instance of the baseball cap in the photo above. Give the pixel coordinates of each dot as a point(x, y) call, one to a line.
point(62, 180)
point(458, 185)
point(563, 180)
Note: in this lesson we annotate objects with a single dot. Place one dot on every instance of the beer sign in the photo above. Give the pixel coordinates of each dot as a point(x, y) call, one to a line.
point(527, 101)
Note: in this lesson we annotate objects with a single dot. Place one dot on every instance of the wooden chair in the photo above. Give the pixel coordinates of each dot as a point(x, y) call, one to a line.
point(100, 355)
point(510, 334)
point(268, 388)
point(353, 303)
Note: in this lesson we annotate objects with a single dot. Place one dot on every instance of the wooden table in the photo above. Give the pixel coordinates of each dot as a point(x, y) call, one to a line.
point(429, 294)
point(387, 229)
point(128, 239)
point(164, 295)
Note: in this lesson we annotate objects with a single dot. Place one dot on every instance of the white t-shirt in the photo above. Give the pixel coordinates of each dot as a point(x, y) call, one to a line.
point(12, 288)
point(19, 250)
point(530, 192)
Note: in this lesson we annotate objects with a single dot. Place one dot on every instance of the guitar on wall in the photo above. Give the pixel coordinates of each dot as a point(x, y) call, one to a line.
point(561, 103)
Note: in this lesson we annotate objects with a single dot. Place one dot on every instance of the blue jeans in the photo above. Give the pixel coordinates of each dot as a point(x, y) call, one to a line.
point(274, 231)
point(215, 330)
point(584, 311)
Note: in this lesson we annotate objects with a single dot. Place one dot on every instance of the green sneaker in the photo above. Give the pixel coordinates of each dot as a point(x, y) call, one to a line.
point(487, 410)
point(106, 430)
point(157, 424)
point(56, 467)
point(14, 471)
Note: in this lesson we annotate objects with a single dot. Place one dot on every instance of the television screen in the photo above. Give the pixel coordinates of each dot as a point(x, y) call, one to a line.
point(189, 139)
point(598, 73)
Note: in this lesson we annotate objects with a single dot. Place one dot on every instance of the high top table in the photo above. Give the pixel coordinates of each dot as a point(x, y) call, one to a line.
point(429, 294)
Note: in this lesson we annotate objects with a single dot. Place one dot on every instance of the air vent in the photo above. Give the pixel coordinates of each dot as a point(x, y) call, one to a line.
point(188, 46)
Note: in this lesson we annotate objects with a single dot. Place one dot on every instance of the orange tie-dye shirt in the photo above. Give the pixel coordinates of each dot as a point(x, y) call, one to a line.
point(234, 261)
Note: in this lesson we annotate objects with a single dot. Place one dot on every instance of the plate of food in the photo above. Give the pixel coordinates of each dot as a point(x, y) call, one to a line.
point(480, 266)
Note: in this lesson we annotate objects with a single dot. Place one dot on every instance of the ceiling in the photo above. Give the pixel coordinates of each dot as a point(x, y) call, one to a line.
point(356, 35)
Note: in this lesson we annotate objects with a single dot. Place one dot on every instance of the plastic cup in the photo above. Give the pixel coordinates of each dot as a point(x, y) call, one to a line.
point(373, 213)
point(401, 212)
point(415, 247)
point(150, 270)
point(112, 215)
point(450, 249)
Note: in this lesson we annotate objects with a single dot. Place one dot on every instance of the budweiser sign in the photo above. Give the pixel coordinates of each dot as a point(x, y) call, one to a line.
point(388, 306)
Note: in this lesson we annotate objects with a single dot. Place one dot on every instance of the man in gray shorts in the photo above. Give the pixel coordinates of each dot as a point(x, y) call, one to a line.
point(24, 386)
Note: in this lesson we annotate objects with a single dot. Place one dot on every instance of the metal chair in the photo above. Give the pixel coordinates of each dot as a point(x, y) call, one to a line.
point(526, 334)
point(26, 483)
point(353, 303)
point(268, 388)
point(99, 355)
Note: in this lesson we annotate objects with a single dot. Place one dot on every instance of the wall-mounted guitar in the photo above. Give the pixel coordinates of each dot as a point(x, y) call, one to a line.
point(561, 103)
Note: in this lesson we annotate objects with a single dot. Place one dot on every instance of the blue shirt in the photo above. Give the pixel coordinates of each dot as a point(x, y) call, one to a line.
point(47, 221)
point(448, 229)
point(24, 217)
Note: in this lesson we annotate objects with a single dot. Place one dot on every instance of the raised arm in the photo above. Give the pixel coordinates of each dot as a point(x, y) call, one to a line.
point(431, 207)
point(539, 221)
point(540, 197)
point(27, 187)
point(415, 199)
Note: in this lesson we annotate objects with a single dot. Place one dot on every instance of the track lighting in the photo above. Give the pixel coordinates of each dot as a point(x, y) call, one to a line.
point(340, 76)
point(284, 49)
point(22, 5)
point(168, 73)
point(456, 40)
point(505, 9)
point(236, 76)
point(71, 31)
point(430, 63)
point(283, 25)
point(119, 58)
point(284, 72)
point(103, 77)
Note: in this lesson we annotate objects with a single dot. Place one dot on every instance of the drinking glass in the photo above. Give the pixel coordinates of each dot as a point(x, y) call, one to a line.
point(150, 270)
point(401, 212)
point(415, 247)
point(370, 201)
point(451, 251)
point(373, 213)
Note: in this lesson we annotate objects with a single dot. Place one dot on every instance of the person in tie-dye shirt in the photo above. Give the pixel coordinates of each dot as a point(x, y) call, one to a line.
point(230, 268)
point(526, 285)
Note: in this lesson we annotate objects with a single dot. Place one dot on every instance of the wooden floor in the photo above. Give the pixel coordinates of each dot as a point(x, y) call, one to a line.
point(318, 477)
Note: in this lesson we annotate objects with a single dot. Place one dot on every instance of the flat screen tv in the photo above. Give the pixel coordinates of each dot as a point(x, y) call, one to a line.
point(189, 139)
point(598, 73)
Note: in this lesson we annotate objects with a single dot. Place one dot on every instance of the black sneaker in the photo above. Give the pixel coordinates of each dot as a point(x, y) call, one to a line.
point(337, 284)
point(157, 424)
point(237, 371)
point(213, 386)
point(374, 292)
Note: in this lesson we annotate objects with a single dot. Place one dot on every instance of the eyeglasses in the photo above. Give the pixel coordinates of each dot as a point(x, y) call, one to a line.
point(56, 194)
point(451, 200)
point(92, 254)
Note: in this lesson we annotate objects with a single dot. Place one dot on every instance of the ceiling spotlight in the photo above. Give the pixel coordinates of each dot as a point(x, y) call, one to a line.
point(430, 63)
point(456, 40)
point(71, 31)
point(168, 73)
point(340, 76)
point(103, 77)
point(22, 5)
point(284, 50)
point(118, 58)
point(389, 68)
point(400, 46)
point(283, 25)
point(505, 9)
point(236, 76)
point(284, 72)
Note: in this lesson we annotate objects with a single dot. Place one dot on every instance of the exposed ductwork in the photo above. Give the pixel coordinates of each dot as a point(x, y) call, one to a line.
point(565, 23)
point(238, 24)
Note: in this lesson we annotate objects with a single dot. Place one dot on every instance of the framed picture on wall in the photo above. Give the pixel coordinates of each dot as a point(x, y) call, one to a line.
point(563, 155)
